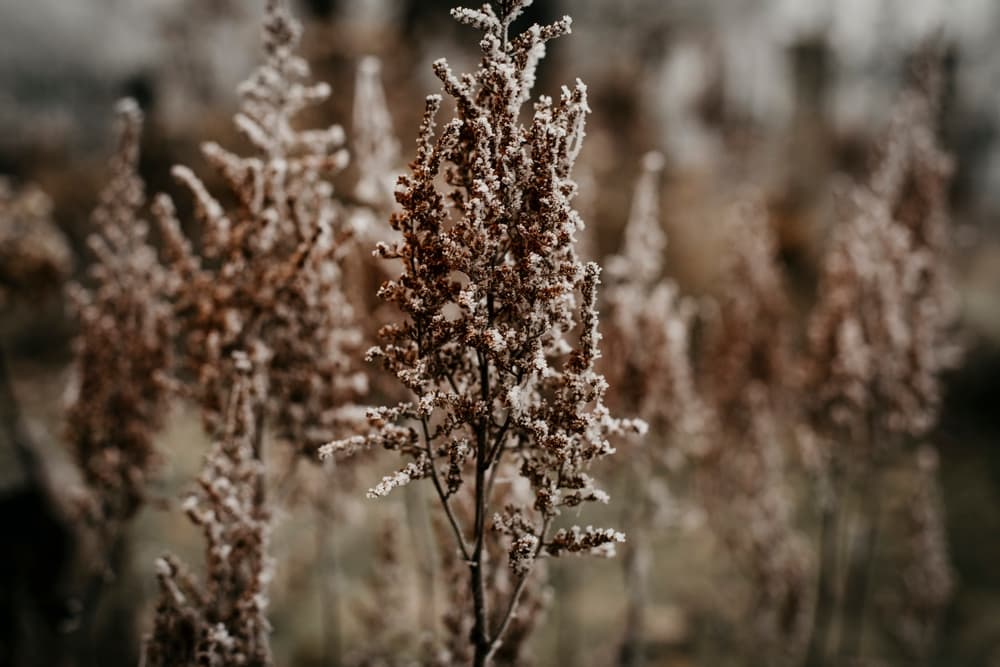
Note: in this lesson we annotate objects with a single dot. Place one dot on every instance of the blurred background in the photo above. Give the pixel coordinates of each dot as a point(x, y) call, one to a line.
point(785, 99)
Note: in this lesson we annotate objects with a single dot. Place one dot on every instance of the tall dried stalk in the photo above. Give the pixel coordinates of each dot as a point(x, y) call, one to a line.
point(271, 285)
point(879, 341)
point(650, 365)
point(489, 287)
point(222, 622)
point(745, 473)
point(266, 292)
point(120, 393)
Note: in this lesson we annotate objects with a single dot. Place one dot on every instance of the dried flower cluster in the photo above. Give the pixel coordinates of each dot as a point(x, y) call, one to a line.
point(650, 365)
point(124, 352)
point(749, 336)
point(879, 336)
point(33, 253)
point(651, 322)
point(270, 284)
point(493, 291)
point(878, 344)
point(266, 293)
point(745, 472)
point(374, 144)
point(222, 622)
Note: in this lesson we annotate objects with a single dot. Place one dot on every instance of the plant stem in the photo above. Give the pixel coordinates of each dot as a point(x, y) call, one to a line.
point(480, 631)
point(826, 594)
point(858, 583)
point(479, 636)
point(494, 642)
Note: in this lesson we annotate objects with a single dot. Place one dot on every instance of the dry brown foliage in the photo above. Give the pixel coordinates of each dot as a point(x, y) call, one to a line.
point(124, 352)
point(222, 621)
point(490, 290)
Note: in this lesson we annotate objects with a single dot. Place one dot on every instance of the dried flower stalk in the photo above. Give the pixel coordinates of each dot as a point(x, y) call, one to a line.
point(744, 472)
point(271, 286)
point(650, 366)
point(374, 144)
point(34, 256)
point(650, 362)
point(223, 622)
point(265, 293)
point(879, 340)
point(489, 287)
point(119, 393)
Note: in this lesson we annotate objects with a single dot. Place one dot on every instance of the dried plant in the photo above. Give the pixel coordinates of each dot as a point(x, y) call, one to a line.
point(374, 144)
point(879, 340)
point(748, 337)
point(906, 304)
point(222, 622)
point(270, 284)
point(744, 474)
point(489, 289)
point(881, 335)
point(387, 615)
point(34, 256)
point(266, 292)
point(746, 485)
point(120, 392)
point(649, 362)
point(923, 579)
point(650, 366)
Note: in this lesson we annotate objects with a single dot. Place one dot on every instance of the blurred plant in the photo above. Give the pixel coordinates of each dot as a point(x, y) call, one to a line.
point(41, 540)
point(270, 284)
point(488, 287)
point(34, 256)
point(222, 622)
point(650, 324)
point(376, 152)
point(744, 473)
point(266, 291)
point(119, 394)
point(649, 365)
point(388, 613)
point(879, 340)
point(374, 144)
point(922, 582)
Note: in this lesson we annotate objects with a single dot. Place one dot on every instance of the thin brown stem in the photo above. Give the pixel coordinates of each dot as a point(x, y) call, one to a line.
point(508, 615)
point(480, 631)
point(442, 496)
